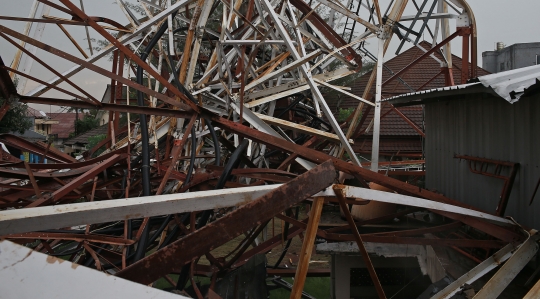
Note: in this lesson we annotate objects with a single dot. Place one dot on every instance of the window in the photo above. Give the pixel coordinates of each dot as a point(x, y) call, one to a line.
point(537, 59)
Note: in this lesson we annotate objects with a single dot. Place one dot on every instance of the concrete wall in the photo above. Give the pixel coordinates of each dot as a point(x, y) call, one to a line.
point(487, 127)
point(510, 58)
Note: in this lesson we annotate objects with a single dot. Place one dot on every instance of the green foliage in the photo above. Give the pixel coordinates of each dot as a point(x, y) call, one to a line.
point(344, 113)
point(84, 125)
point(93, 141)
point(15, 119)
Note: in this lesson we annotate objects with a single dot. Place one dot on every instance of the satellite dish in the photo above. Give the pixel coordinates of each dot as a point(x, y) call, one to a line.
point(42, 113)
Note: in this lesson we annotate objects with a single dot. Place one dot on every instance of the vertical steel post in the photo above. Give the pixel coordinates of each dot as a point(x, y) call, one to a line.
point(377, 112)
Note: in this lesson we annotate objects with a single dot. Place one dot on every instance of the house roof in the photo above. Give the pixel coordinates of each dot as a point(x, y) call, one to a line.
point(66, 124)
point(30, 135)
point(83, 138)
point(31, 112)
point(414, 78)
point(392, 123)
point(509, 85)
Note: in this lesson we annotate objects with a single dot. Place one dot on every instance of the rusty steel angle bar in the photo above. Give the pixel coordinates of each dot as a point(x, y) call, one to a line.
point(58, 194)
point(340, 194)
point(92, 67)
point(212, 235)
point(94, 104)
point(7, 88)
point(108, 107)
point(142, 29)
point(426, 54)
point(319, 157)
point(129, 53)
point(26, 145)
point(50, 68)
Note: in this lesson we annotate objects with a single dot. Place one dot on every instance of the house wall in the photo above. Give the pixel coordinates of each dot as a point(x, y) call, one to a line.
point(487, 127)
point(512, 57)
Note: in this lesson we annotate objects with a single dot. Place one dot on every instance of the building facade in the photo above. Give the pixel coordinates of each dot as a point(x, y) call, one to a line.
point(511, 57)
point(494, 122)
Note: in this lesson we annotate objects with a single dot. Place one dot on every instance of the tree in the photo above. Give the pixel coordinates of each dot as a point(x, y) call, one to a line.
point(93, 141)
point(15, 119)
point(84, 125)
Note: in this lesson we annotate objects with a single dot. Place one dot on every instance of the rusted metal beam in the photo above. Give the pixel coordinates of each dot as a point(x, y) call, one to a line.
point(212, 235)
point(93, 67)
point(338, 189)
point(108, 107)
point(177, 150)
point(129, 53)
point(425, 55)
point(26, 145)
point(7, 88)
point(318, 157)
point(50, 68)
point(71, 236)
point(480, 166)
point(58, 194)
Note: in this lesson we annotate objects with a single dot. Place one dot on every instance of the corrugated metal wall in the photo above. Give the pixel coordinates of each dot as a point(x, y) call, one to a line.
point(487, 127)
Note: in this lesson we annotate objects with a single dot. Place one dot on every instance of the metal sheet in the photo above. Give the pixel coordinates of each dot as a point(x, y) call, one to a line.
point(486, 127)
point(29, 274)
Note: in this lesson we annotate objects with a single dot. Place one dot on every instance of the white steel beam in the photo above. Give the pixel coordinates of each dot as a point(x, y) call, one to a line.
point(51, 217)
point(381, 196)
point(124, 40)
point(480, 270)
point(498, 282)
point(377, 112)
point(316, 92)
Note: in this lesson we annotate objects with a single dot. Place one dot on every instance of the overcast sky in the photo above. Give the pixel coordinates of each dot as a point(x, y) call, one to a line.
point(507, 21)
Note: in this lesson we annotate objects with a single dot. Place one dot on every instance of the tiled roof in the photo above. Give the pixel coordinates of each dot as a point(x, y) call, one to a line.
point(31, 112)
point(83, 138)
point(392, 124)
point(390, 145)
point(31, 136)
point(66, 123)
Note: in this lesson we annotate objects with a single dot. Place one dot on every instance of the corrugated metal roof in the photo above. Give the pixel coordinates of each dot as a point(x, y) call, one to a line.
point(509, 85)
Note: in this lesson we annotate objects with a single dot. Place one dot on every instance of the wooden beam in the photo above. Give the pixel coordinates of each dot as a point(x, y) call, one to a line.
point(307, 248)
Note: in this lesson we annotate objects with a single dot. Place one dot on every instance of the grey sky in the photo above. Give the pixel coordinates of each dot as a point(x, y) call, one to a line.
point(497, 20)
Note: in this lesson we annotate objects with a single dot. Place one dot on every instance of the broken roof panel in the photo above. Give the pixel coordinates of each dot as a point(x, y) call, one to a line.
point(509, 85)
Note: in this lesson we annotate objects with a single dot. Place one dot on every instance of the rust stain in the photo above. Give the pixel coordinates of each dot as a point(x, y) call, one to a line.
point(52, 260)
